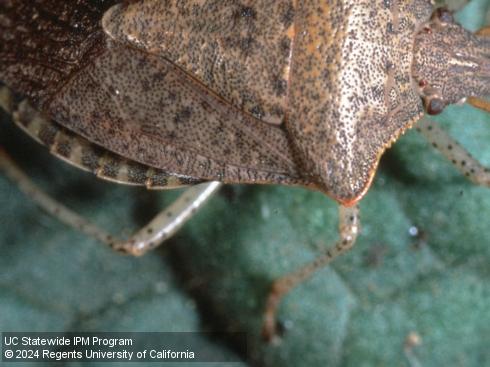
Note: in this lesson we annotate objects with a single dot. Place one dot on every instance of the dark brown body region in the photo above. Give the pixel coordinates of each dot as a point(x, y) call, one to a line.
point(291, 92)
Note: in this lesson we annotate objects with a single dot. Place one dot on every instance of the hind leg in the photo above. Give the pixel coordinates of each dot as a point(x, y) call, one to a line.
point(168, 221)
point(162, 227)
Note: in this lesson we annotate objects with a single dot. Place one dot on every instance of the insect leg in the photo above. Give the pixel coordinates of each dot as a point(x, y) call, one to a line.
point(169, 221)
point(451, 149)
point(12, 171)
point(47, 203)
point(85, 156)
point(6, 99)
point(479, 103)
point(485, 31)
point(349, 227)
point(162, 227)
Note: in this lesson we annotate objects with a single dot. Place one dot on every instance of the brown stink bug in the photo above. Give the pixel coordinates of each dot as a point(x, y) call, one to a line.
point(167, 94)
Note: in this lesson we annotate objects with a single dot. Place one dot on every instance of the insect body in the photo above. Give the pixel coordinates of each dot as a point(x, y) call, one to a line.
point(305, 93)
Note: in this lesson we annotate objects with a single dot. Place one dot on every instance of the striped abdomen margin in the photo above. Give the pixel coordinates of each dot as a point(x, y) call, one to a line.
point(85, 155)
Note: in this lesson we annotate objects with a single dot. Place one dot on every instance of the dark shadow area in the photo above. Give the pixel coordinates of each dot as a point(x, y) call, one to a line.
point(198, 279)
point(393, 166)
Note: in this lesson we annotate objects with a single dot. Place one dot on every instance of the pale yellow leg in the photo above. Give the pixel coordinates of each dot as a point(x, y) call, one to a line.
point(451, 149)
point(169, 221)
point(349, 227)
point(162, 227)
point(61, 212)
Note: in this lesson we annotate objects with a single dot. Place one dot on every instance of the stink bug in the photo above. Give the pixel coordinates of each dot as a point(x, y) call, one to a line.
point(166, 94)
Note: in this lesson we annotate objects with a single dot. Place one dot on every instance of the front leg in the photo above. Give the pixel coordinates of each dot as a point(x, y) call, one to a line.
point(349, 227)
point(456, 154)
point(479, 103)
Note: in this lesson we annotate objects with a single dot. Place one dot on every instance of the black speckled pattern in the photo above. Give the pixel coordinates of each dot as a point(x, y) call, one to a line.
point(143, 107)
point(79, 152)
point(239, 49)
point(292, 92)
point(351, 93)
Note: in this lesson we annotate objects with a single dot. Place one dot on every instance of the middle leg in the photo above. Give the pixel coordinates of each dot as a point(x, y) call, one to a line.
point(349, 228)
